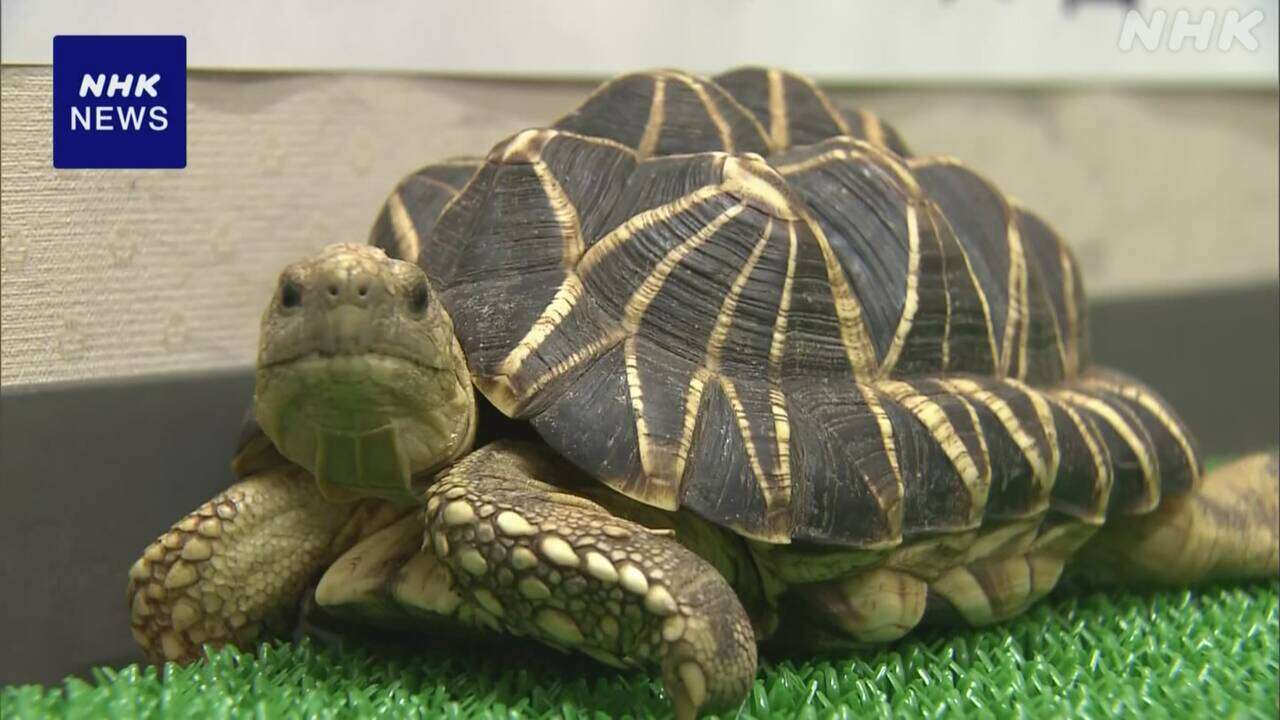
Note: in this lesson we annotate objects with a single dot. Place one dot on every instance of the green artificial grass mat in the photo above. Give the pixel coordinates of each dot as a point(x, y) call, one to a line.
point(1209, 652)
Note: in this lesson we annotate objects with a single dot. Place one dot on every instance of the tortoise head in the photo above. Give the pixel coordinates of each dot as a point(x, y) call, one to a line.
point(360, 378)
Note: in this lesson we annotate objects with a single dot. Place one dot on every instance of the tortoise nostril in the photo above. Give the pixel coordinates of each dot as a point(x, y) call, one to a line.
point(333, 290)
point(363, 290)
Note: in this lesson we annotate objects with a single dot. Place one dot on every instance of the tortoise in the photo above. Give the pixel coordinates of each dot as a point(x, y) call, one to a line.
point(748, 371)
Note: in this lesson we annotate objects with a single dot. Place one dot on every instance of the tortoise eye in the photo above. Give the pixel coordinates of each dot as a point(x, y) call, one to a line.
point(419, 297)
point(290, 294)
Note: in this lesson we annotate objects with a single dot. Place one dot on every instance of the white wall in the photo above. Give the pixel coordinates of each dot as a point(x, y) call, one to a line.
point(834, 40)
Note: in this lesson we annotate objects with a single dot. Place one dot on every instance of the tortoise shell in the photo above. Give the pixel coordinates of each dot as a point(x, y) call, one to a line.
point(736, 297)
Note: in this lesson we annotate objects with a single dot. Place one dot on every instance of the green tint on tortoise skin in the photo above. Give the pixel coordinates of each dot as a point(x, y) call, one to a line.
point(791, 386)
point(360, 379)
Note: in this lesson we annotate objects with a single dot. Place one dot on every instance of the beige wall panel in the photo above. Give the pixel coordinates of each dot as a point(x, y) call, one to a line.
point(114, 272)
point(121, 273)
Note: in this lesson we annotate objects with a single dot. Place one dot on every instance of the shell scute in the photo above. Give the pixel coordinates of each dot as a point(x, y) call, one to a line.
point(742, 299)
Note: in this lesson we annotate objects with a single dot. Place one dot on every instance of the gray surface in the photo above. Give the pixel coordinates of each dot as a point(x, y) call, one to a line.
point(1214, 356)
point(90, 474)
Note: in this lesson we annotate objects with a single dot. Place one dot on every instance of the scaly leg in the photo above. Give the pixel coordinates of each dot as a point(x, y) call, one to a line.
point(867, 607)
point(235, 569)
point(1227, 528)
point(977, 578)
point(528, 558)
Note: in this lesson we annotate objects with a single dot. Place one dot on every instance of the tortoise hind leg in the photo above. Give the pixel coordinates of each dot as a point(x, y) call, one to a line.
point(1226, 528)
point(883, 604)
point(871, 606)
point(532, 559)
point(994, 590)
point(974, 578)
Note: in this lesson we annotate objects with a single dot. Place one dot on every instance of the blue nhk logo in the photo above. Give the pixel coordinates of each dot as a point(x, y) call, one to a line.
point(119, 101)
point(100, 117)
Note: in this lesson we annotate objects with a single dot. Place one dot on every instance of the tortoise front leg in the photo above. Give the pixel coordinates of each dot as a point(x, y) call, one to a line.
point(235, 569)
point(531, 558)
